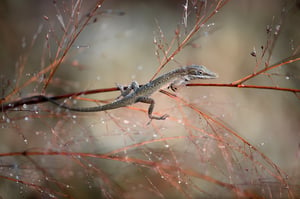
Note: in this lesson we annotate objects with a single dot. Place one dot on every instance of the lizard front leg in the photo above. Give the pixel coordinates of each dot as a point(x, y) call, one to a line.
point(175, 85)
point(150, 101)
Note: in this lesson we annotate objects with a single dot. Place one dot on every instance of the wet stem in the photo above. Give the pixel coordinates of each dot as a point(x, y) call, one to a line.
point(135, 152)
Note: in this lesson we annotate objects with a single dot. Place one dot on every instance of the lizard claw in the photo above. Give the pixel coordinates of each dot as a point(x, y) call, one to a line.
point(163, 117)
point(158, 118)
point(172, 87)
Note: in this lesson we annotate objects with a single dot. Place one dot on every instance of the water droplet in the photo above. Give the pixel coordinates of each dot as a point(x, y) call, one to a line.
point(167, 146)
point(154, 135)
point(25, 106)
point(26, 118)
point(23, 42)
point(83, 46)
point(140, 67)
point(133, 76)
point(126, 122)
point(287, 77)
point(287, 177)
point(211, 24)
point(26, 141)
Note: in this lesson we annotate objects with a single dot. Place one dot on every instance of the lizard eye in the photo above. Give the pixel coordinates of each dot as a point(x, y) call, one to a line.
point(198, 72)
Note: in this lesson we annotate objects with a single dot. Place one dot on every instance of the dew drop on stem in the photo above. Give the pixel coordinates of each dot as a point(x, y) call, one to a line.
point(23, 42)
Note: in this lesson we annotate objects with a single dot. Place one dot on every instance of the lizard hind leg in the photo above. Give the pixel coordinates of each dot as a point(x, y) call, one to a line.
point(124, 92)
point(150, 101)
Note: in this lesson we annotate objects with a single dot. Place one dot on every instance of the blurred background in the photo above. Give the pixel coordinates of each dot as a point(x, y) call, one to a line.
point(117, 46)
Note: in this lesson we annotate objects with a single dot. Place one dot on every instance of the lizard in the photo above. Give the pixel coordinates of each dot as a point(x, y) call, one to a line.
point(135, 93)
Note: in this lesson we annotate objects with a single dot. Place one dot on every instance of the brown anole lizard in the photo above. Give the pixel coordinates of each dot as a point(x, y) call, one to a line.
point(135, 93)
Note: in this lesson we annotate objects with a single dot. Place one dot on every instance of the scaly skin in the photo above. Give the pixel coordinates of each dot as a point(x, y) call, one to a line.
point(141, 94)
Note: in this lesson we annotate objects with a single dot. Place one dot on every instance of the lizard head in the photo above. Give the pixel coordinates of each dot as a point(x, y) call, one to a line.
point(198, 72)
point(191, 72)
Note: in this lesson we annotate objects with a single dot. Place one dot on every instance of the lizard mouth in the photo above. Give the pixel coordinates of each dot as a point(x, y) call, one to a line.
point(210, 75)
point(202, 76)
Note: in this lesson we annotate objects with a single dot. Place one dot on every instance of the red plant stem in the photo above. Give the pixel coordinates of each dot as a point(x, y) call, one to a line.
point(35, 186)
point(53, 70)
point(39, 98)
point(249, 86)
point(55, 64)
point(195, 29)
point(288, 60)
point(152, 164)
